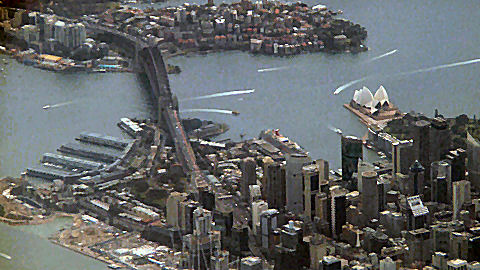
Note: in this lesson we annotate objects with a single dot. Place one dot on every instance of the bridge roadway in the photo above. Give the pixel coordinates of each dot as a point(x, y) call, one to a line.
point(150, 60)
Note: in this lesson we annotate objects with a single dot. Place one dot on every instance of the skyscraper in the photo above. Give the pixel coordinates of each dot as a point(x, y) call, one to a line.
point(294, 165)
point(352, 151)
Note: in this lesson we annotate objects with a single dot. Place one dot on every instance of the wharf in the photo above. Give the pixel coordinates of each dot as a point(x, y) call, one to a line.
point(71, 162)
point(103, 140)
point(90, 152)
point(369, 121)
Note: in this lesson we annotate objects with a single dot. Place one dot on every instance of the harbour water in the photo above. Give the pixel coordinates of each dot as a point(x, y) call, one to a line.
point(297, 99)
point(29, 249)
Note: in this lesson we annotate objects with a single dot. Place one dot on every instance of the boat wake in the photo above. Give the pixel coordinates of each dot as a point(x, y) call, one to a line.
point(57, 105)
point(224, 94)
point(272, 69)
point(407, 73)
point(457, 64)
point(5, 256)
point(209, 111)
point(381, 56)
point(345, 86)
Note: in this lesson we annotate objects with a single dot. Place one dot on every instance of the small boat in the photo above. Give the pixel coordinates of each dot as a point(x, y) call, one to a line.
point(5, 256)
point(235, 112)
point(46, 107)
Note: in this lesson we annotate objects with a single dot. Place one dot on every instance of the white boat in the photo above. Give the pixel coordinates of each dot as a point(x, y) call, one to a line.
point(46, 107)
point(5, 256)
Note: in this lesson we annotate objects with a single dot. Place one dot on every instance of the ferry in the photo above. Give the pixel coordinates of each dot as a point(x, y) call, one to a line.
point(46, 107)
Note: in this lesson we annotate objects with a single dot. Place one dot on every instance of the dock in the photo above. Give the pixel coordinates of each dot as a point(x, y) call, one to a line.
point(71, 162)
point(85, 151)
point(103, 140)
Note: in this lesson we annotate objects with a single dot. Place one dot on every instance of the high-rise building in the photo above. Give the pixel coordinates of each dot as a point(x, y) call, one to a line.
point(421, 143)
point(294, 165)
point(416, 179)
point(257, 208)
point(352, 151)
point(459, 245)
point(268, 223)
point(403, 155)
point(416, 213)
point(440, 139)
point(443, 170)
point(440, 190)
point(249, 176)
point(339, 210)
point(461, 195)
point(457, 159)
point(363, 167)
point(311, 187)
point(473, 153)
point(370, 194)
point(419, 245)
point(274, 189)
point(202, 220)
point(173, 208)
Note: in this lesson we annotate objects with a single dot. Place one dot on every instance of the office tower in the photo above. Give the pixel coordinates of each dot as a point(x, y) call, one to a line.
point(440, 139)
point(274, 184)
point(294, 165)
point(369, 195)
point(186, 215)
point(202, 220)
point(249, 176)
point(416, 214)
point(421, 143)
point(268, 223)
point(416, 179)
point(362, 167)
point(441, 169)
point(339, 210)
point(322, 213)
point(457, 159)
point(257, 208)
point(474, 248)
point(461, 195)
point(419, 245)
point(459, 245)
point(173, 208)
point(352, 151)
point(323, 170)
point(440, 190)
point(403, 155)
point(311, 187)
point(473, 153)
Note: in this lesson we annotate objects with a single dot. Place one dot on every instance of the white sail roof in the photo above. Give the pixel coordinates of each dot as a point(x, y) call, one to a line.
point(356, 95)
point(365, 97)
point(381, 95)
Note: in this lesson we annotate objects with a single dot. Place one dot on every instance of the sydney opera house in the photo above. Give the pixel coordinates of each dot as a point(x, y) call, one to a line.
point(376, 106)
